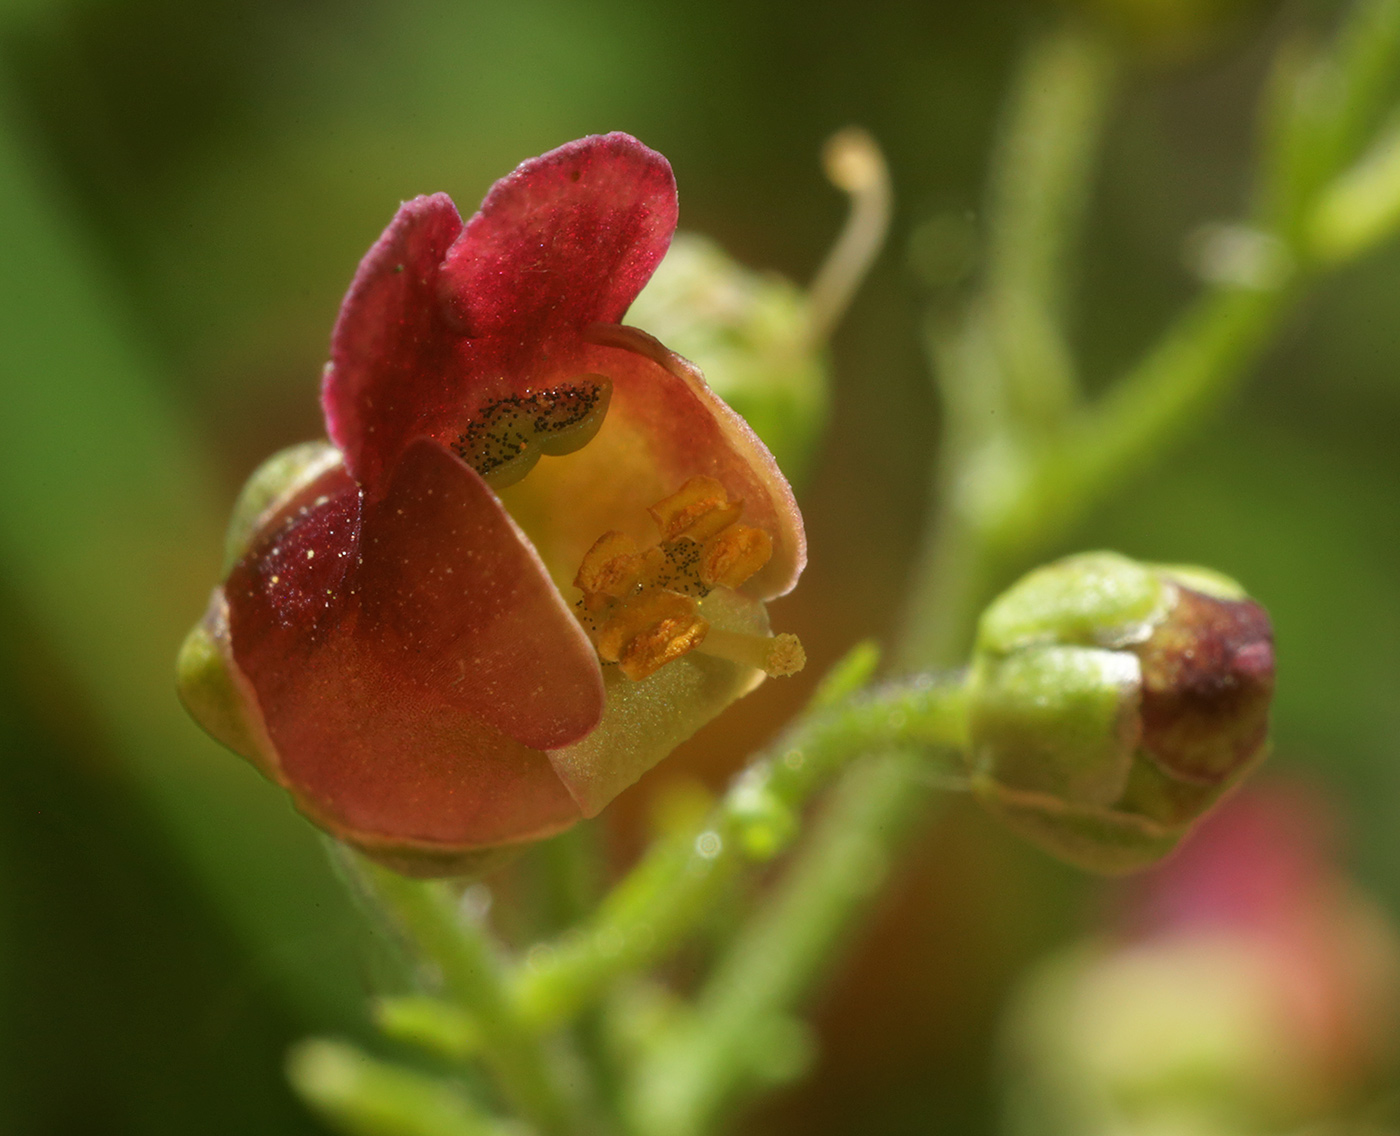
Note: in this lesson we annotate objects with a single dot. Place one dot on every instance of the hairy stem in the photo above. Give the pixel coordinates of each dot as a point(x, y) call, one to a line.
point(667, 894)
point(470, 974)
point(741, 1034)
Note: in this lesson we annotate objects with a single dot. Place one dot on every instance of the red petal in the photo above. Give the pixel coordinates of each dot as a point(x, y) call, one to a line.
point(392, 346)
point(413, 702)
point(432, 330)
point(566, 240)
point(448, 581)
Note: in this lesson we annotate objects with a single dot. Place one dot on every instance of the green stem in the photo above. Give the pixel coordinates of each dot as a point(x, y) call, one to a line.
point(471, 976)
point(741, 1027)
point(1041, 177)
point(1209, 350)
point(1007, 374)
point(368, 1097)
point(669, 892)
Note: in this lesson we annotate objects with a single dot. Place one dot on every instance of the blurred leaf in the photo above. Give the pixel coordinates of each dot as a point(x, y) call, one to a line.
point(108, 539)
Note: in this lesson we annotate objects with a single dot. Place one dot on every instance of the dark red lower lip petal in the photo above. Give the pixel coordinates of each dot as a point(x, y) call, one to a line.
point(450, 588)
point(411, 659)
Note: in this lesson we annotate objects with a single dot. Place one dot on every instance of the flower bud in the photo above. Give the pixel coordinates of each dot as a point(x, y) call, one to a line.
point(1112, 703)
point(748, 332)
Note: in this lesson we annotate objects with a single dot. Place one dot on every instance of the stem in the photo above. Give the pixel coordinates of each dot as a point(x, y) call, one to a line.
point(1006, 374)
point(368, 1097)
point(1040, 183)
point(742, 1012)
point(1194, 365)
point(471, 976)
point(669, 892)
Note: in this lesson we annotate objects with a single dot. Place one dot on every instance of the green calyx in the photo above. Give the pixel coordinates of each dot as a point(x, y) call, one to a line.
point(1058, 720)
point(210, 690)
point(1112, 702)
point(1095, 599)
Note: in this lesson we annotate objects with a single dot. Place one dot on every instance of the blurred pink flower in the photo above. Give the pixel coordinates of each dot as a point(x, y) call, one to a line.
point(1264, 873)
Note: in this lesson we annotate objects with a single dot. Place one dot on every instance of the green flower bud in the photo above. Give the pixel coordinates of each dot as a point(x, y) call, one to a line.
point(1112, 703)
point(749, 333)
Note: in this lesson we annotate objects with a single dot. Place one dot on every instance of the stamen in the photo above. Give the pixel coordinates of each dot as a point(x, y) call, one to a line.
point(698, 509)
point(499, 443)
point(732, 556)
point(568, 417)
point(505, 439)
point(613, 568)
point(640, 606)
point(778, 655)
point(649, 631)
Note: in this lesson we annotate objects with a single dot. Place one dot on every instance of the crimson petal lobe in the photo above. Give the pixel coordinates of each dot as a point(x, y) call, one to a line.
point(566, 240)
point(388, 378)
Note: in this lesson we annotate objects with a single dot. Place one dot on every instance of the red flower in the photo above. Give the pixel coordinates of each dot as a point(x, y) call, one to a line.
point(448, 636)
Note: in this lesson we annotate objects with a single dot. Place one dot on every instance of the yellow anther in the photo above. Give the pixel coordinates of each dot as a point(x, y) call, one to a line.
point(644, 634)
point(611, 568)
point(567, 417)
point(640, 606)
point(732, 556)
point(698, 509)
point(777, 656)
point(504, 440)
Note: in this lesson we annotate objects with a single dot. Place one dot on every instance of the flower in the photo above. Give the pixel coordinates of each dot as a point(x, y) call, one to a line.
point(1247, 986)
point(534, 559)
point(1112, 703)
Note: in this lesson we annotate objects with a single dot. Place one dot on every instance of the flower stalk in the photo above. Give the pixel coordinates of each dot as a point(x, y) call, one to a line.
point(669, 891)
point(469, 970)
point(745, 1011)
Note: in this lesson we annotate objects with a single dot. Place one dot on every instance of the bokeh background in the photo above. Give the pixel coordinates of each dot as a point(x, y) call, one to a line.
point(184, 193)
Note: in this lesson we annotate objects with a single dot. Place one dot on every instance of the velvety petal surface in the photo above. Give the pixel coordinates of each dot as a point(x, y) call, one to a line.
point(392, 371)
point(664, 426)
point(567, 239)
point(408, 694)
point(443, 320)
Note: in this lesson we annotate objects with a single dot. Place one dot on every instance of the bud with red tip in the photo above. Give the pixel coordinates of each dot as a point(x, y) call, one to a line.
point(1112, 703)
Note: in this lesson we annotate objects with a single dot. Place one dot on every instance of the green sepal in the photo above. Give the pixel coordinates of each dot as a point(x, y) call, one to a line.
point(1108, 841)
point(212, 691)
point(1058, 720)
point(1096, 599)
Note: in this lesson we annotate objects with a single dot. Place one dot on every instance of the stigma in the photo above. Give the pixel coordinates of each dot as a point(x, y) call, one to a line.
point(641, 605)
